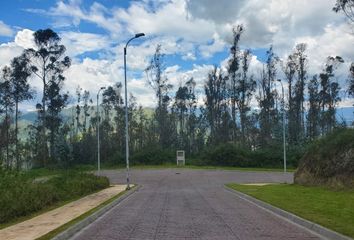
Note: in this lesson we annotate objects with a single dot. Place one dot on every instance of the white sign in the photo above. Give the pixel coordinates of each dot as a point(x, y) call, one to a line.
point(180, 158)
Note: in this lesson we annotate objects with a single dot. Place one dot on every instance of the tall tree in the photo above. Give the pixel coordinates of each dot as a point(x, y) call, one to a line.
point(112, 97)
point(267, 99)
point(299, 96)
point(329, 93)
point(6, 105)
point(216, 97)
point(157, 80)
point(290, 74)
point(20, 91)
point(314, 112)
point(245, 89)
point(78, 109)
point(192, 121)
point(48, 64)
point(351, 80)
point(87, 101)
point(234, 75)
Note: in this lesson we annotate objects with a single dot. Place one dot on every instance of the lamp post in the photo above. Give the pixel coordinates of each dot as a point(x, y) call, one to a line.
point(98, 133)
point(284, 140)
point(126, 107)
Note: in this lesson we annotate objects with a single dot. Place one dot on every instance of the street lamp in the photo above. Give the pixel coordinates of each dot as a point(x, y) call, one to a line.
point(283, 106)
point(98, 133)
point(126, 106)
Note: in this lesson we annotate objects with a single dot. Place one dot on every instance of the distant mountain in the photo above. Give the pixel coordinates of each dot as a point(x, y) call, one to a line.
point(346, 114)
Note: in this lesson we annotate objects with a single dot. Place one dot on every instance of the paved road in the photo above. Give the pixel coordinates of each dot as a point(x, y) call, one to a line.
point(190, 204)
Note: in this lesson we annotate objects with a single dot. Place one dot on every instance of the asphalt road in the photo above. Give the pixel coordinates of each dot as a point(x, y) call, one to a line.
point(190, 204)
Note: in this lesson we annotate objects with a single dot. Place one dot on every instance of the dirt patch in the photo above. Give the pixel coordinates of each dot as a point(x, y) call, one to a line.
point(258, 184)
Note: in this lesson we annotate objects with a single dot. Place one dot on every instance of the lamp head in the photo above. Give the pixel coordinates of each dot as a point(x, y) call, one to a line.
point(279, 80)
point(139, 35)
point(103, 88)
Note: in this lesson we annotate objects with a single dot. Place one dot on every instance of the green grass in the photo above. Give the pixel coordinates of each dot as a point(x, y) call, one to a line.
point(164, 166)
point(42, 172)
point(21, 196)
point(67, 225)
point(37, 213)
point(329, 208)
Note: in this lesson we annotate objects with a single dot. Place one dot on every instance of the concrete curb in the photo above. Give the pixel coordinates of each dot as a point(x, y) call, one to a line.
point(322, 232)
point(71, 231)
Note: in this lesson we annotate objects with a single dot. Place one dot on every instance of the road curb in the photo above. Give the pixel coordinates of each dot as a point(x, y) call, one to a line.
point(71, 231)
point(318, 230)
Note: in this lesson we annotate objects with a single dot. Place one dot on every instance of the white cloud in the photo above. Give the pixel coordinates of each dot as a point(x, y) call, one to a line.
point(5, 30)
point(78, 43)
point(189, 28)
point(71, 14)
point(218, 45)
point(25, 39)
point(7, 52)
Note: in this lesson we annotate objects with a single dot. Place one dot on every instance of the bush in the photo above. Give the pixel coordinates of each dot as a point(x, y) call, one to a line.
point(329, 160)
point(229, 154)
point(153, 155)
point(22, 195)
point(226, 155)
point(117, 158)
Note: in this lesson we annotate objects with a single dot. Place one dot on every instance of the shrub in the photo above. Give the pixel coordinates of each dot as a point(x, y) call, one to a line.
point(329, 160)
point(153, 155)
point(226, 155)
point(22, 195)
point(117, 158)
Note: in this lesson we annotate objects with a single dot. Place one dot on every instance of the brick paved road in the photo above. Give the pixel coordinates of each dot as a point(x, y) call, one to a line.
point(190, 205)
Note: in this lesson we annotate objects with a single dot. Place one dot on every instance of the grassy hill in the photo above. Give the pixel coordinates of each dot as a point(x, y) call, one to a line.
point(329, 161)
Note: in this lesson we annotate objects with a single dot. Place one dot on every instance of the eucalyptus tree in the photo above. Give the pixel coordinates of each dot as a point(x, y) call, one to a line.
point(78, 109)
point(314, 112)
point(234, 75)
point(159, 83)
point(192, 119)
point(267, 99)
point(245, 88)
point(299, 98)
point(329, 93)
point(112, 97)
point(345, 6)
point(289, 69)
point(6, 108)
point(216, 107)
point(351, 80)
point(180, 108)
point(20, 91)
point(48, 62)
point(86, 107)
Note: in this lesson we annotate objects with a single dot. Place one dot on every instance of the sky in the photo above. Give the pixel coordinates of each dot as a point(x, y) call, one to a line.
point(195, 35)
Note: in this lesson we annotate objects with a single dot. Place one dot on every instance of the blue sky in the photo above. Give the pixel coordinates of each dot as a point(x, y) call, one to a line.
point(194, 34)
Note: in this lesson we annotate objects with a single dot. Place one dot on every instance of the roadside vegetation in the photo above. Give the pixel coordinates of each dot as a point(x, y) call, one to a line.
point(329, 161)
point(331, 209)
point(22, 194)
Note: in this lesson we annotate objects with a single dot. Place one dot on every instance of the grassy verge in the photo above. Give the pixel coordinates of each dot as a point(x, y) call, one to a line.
point(22, 197)
point(42, 173)
point(331, 209)
point(67, 225)
point(164, 166)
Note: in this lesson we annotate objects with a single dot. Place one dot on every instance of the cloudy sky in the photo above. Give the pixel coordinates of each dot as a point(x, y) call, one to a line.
point(194, 34)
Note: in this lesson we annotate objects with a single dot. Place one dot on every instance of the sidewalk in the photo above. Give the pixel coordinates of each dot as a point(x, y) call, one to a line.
point(42, 224)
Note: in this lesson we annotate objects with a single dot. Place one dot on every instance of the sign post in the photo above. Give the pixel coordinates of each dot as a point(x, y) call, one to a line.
point(180, 158)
